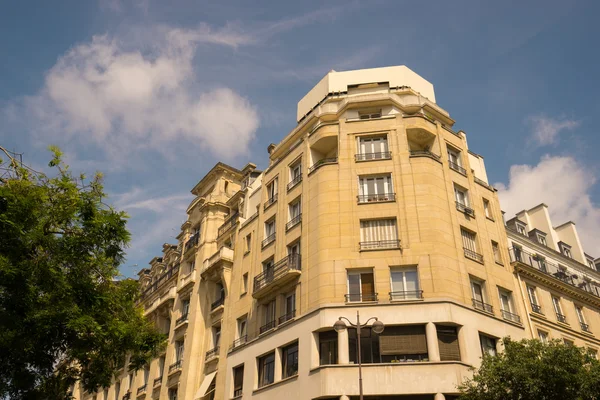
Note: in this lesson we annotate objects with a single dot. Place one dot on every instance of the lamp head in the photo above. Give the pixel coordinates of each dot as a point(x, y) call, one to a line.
point(377, 326)
point(339, 325)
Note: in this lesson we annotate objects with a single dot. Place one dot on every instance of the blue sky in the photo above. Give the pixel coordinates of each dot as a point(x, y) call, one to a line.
point(153, 93)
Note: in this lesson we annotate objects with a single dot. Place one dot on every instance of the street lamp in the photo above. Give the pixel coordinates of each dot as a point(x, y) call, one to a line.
point(377, 327)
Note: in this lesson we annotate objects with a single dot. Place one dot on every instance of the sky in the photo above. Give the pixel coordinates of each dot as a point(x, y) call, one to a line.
point(154, 93)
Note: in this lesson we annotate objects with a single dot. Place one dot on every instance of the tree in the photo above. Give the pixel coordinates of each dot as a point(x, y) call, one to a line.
point(532, 370)
point(64, 315)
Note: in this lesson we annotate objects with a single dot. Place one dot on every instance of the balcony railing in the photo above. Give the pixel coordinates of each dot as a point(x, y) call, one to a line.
point(320, 163)
point(228, 224)
point(584, 327)
point(286, 317)
point(536, 309)
point(154, 286)
point(507, 315)
point(279, 269)
point(238, 392)
point(424, 153)
point(157, 381)
point(217, 303)
point(374, 198)
point(294, 182)
point(268, 240)
point(238, 342)
point(192, 241)
point(457, 167)
point(386, 155)
point(293, 222)
point(270, 201)
point(561, 318)
point(480, 305)
point(175, 366)
point(550, 269)
point(464, 209)
point(127, 396)
point(141, 389)
point(379, 245)
point(407, 295)
point(360, 298)
point(473, 255)
point(212, 353)
point(267, 327)
point(181, 319)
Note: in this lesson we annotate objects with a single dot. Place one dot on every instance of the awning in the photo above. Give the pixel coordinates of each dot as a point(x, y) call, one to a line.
point(203, 391)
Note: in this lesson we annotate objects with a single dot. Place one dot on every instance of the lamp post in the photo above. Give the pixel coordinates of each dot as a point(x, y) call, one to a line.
point(377, 327)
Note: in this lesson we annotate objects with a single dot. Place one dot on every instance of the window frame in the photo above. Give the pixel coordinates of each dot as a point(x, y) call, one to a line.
point(487, 211)
point(496, 252)
point(486, 347)
point(286, 352)
point(403, 270)
point(359, 272)
point(266, 361)
point(238, 390)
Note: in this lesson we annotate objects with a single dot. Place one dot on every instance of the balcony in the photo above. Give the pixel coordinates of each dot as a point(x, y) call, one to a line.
point(157, 381)
point(457, 168)
point(406, 295)
point(270, 201)
point(424, 153)
point(293, 222)
point(322, 162)
point(228, 224)
point(161, 280)
point(127, 396)
point(217, 304)
point(276, 276)
point(473, 255)
point(268, 240)
point(267, 327)
point(360, 298)
point(176, 366)
point(287, 317)
point(379, 245)
point(510, 316)
point(561, 318)
point(212, 354)
point(220, 260)
point(386, 155)
point(239, 342)
point(191, 243)
point(181, 320)
point(465, 210)
point(294, 182)
point(585, 327)
point(376, 198)
point(141, 389)
point(536, 309)
point(481, 306)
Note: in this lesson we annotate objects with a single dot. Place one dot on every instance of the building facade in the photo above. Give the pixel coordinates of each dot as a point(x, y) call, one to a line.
point(373, 206)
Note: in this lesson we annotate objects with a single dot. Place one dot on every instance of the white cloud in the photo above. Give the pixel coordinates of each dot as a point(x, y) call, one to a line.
point(545, 130)
point(127, 99)
point(564, 185)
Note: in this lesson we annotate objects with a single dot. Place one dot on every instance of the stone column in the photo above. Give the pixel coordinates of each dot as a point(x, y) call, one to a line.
point(463, 344)
point(343, 348)
point(432, 342)
point(439, 396)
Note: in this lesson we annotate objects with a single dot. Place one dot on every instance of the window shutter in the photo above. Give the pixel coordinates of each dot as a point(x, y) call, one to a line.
point(403, 340)
point(468, 240)
point(448, 343)
point(367, 285)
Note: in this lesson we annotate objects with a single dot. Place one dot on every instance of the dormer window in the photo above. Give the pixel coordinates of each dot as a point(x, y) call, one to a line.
point(369, 114)
point(590, 261)
point(565, 249)
point(521, 228)
point(541, 239)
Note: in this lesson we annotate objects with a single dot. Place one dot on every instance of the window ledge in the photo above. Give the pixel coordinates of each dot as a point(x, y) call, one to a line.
point(563, 324)
point(270, 385)
point(500, 263)
point(243, 294)
point(411, 363)
point(590, 334)
point(374, 159)
point(376, 202)
point(533, 313)
point(246, 253)
point(407, 301)
point(362, 302)
point(490, 219)
point(371, 119)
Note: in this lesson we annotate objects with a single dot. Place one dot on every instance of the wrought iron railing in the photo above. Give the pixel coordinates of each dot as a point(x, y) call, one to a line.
point(141, 389)
point(480, 305)
point(407, 295)
point(374, 198)
point(424, 153)
point(324, 161)
point(237, 392)
point(536, 309)
point(561, 318)
point(293, 222)
point(473, 255)
point(192, 241)
point(267, 327)
point(127, 396)
point(270, 201)
point(175, 366)
point(359, 297)
point(154, 286)
point(507, 315)
point(457, 167)
point(228, 224)
point(157, 381)
point(379, 244)
point(373, 156)
point(239, 341)
point(465, 209)
point(217, 303)
point(268, 240)
point(287, 317)
point(181, 319)
point(294, 182)
point(212, 353)
point(277, 270)
point(584, 327)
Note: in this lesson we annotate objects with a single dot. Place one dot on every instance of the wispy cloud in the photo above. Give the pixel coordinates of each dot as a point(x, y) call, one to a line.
point(545, 130)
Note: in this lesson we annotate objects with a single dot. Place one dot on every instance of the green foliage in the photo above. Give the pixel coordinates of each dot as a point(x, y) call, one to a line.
point(532, 370)
point(63, 315)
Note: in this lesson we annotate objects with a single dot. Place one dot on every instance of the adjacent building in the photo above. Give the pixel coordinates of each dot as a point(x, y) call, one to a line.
point(372, 206)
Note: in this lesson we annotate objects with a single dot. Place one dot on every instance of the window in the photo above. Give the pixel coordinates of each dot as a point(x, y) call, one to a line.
point(369, 114)
point(289, 305)
point(328, 348)
point(454, 156)
point(185, 307)
point(295, 175)
point(361, 286)
point(403, 343)
point(590, 262)
point(486, 209)
point(294, 248)
point(272, 191)
point(245, 283)
point(488, 345)
point(248, 243)
point(448, 343)
point(496, 250)
point(266, 369)
point(541, 239)
point(179, 350)
point(372, 148)
point(405, 283)
point(533, 300)
point(581, 318)
point(560, 317)
point(565, 249)
point(161, 366)
point(369, 343)
point(479, 296)
point(461, 195)
point(521, 228)
point(130, 382)
point(295, 211)
point(543, 336)
point(226, 187)
point(375, 188)
point(470, 245)
point(238, 380)
point(507, 307)
point(146, 375)
point(172, 394)
point(378, 234)
point(289, 358)
point(242, 327)
point(269, 232)
point(216, 335)
point(268, 316)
